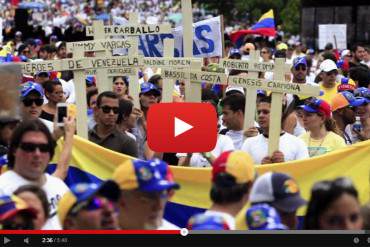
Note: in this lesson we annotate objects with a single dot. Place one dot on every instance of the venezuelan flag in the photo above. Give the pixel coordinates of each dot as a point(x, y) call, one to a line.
point(265, 26)
point(91, 162)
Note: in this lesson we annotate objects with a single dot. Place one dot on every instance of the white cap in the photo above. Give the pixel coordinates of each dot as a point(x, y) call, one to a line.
point(328, 65)
point(344, 53)
point(232, 88)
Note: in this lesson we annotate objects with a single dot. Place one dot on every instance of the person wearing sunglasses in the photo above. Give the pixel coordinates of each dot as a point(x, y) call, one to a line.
point(90, 206)
point(32, 99)
point(344, 106)
point(333, 205)
point(15, 214)
point(106, 133)
point(145, 186)
point(328, 83)
point(30, 151)
point(322, 134)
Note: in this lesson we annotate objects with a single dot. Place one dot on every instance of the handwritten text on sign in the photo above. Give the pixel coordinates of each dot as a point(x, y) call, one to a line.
point(201, 76)
point(274, 86)
point(99, 45)
point(169, 62)
point(113, 72)
point(245, 65)
point(132, 30)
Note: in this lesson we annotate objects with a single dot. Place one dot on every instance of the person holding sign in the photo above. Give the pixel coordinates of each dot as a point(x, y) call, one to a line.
point(290, 147)
point(323, 134)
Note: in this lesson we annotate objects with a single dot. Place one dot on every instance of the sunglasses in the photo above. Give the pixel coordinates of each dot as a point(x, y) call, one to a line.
point(300, 67)
point(31, 147)
point(333, 72)
point(90, 205)
point(108, 109)
point(326, 185)
point(29, 102)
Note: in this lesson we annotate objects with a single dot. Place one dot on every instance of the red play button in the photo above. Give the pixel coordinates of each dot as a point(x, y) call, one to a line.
point(182, 127)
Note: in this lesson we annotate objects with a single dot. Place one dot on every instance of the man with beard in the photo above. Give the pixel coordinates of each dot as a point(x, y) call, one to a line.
point(105, 133)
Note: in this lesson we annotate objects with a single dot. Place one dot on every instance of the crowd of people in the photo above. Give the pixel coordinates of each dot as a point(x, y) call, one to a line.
point(136, 195)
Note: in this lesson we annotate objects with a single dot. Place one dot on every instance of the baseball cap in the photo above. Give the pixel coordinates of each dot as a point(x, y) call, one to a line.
point(29, 87)
point(83, 192)
point(234, 53)
point(277, 189)
point(263, 217)
point(238, 164)
point(343, 99)
point(363, 92)
point(345, 53)
point(146, 175)
point(299, 60)
point(234, 89)
point(12, 205)
point(207, 222)
point(346, 84)
point(328, 65)
point(317, 106)
point(90, 80)
point(147, 87)
point(282, 46)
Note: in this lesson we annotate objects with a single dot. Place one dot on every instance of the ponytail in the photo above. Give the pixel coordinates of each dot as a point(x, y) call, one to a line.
point(331, 125)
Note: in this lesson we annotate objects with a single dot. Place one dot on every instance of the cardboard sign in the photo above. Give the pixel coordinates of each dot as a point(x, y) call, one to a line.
point(333, 33)
point(194, 76)
point(99, 45)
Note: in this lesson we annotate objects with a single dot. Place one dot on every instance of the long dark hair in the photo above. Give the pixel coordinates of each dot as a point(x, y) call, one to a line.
point(323, 194)
point(40, 193)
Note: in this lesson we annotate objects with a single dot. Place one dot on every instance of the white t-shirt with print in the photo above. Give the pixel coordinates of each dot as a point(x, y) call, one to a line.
point(53, 187)
point(223, 144)
point(292, 147)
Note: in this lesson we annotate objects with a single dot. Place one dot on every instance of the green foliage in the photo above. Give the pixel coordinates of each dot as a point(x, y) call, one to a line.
point(291, 15)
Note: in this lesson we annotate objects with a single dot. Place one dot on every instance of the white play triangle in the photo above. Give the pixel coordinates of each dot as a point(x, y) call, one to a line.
point(181, 127)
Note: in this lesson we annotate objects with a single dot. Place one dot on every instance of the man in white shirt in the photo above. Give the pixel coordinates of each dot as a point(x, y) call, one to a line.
point(233, 118)
point(30, 150)
point(232, 179)
point(290, 147)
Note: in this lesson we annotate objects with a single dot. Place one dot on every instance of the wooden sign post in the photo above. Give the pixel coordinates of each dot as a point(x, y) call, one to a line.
point(132, 30)
point(253, 66)
point(277, 87)
point(193, 91)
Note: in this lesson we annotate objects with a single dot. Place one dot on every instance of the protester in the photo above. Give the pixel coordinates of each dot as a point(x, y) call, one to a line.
point(233, 118)
point(232, 178)
point(145, 187)
point(323, 135)
point(36, 198)
point(328, 85)
point(7, 126)
point(105, 133)
point(358, 54)
point(281, 192)
point(89, 206)
point(120, 86)
point(31, 148)
point(32, 97)
point(263, 217)
point(343, 107)
point(15, 214)
point(54, 95)
point(333, 205)
point(290, 147)
point(127, 117)
point(91, 97)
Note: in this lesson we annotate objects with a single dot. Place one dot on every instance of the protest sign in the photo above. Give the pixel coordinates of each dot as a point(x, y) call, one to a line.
point(333, 33)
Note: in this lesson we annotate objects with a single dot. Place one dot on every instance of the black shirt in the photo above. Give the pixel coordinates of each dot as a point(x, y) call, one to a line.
point(116, 141)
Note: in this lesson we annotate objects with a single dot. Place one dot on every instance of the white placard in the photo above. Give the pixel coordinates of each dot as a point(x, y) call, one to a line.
point(333, 33)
